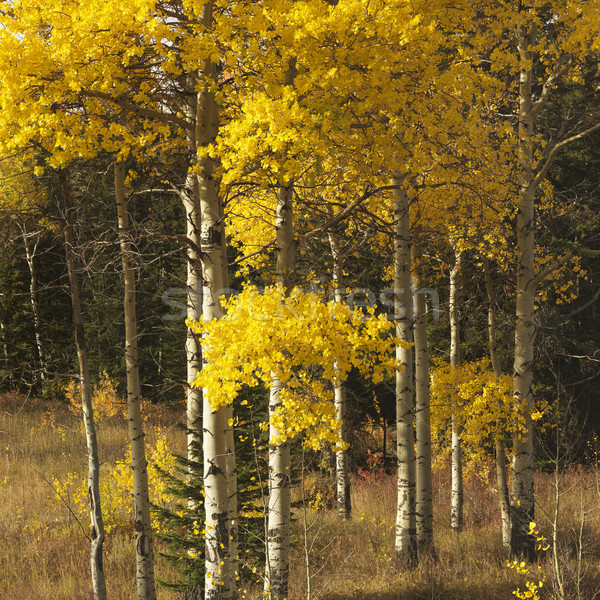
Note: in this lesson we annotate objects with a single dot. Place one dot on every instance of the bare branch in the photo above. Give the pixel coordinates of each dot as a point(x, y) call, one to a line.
point(346, 211)
point(564, 63)
point(552, 154)
point(581, 308)
point(142, 110)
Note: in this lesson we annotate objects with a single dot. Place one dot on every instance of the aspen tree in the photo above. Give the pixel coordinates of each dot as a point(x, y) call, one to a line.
point(546, 53)
point(499, 446)
point(406, 534)
point(522, 463)
point(279, 517)
point(30, 253)
point(218, 581)
point(97, 522)
point(139, 465)
point(190, 195)
point(424, 486)
point(342, 476)
point(130, 35)
point(456, 511)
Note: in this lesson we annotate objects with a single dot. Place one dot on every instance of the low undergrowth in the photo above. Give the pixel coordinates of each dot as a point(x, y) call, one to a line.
point(44, 551)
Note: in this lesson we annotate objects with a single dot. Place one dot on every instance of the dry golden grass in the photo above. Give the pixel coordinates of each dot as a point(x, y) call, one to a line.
point(44, 552)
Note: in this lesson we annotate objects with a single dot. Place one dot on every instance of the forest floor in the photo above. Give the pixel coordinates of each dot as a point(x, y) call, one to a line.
point(44, 552)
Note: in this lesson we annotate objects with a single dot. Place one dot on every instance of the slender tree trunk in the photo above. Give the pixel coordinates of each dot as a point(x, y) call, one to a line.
point(456, 512)
point(190, 196)
point(219, 584)
point(424, 495)
point(230, 460)
point(4, 344)
point(279, 517)
point(143, 529)
point(406, 536)
point(342, 476)
point(30, 257)
point(499, 445)
point(231, 470)
point(98, 534)
point(522, 462)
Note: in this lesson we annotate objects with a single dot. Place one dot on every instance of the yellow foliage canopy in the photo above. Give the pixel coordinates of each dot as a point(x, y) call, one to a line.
point(293, 337)
point(484, 409)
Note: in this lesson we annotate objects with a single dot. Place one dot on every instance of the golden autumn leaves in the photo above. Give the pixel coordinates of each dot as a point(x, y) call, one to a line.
point(311, 345)
point(308, 344)
point(484, 407)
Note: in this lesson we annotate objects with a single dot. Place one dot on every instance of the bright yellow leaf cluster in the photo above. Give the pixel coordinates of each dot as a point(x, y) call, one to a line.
point(116, 483)
point(291, 337)
point(483, 408)
point(536, 583)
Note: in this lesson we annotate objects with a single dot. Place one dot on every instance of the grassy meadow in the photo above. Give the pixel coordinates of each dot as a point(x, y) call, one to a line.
point(44, 551)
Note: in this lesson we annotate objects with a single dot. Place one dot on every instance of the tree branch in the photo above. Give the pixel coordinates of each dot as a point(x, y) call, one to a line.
point(565, 259)
point(142, 110)
point(552, 154)
point(247, 256)
point(346, 211)
point(581, 308)
point(565, 62)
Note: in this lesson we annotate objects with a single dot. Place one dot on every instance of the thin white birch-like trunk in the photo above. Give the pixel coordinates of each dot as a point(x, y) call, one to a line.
point(342, 476)
point(405, 529)
point(232, 514)
point(218, 583)
point(190, 196)
point(424, 492)
point(191, 203)
point(499, 445)
point(30, 258)
point(146, 589)
point(522, 494)
point(93, 479)
point(230, 458)
point(457, 498)
point(4, 344)
point(279, 516)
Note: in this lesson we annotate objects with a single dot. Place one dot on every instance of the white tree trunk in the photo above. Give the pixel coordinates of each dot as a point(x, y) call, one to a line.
point(232, 514)
point(97, 523)
point(499, 445)
point(278, 524)
point(146, 589)
point(342, 476)
point(191, 202)
point(424, 494)
point(456, 512)
point(522, 461)
point(30, 258)
point(218, 581)
point(405, 530)
point(220, 475)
